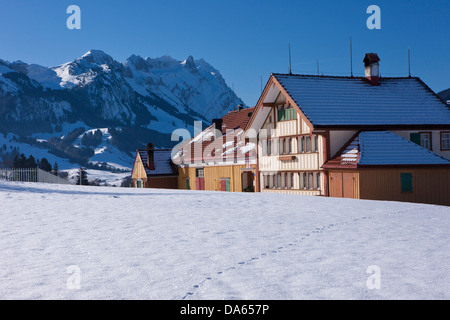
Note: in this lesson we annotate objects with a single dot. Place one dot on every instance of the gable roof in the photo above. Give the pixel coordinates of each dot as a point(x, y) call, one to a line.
point(329, 101)
point(232, 143)
point(163, 162)
point(383, 148)
point(236, 119)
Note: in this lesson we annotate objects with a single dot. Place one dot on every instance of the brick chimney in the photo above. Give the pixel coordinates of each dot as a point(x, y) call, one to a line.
point(150, 156)
point(218, 123)
point(372, 68)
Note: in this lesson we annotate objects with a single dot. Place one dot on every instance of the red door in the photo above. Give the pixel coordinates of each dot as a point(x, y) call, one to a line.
point(200, 183)
point(223, 185)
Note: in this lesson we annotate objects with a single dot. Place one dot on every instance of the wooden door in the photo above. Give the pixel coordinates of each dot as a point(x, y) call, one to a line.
point(336, 184)
point(342, 185)
point(200, 183)
point(348, 185)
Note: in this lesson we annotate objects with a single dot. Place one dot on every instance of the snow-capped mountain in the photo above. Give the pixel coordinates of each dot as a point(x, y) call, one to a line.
point(139, 101)
point(160, 94)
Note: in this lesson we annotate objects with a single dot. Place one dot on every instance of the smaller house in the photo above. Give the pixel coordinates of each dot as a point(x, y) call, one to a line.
point(382, 165)
point(220, 158)
point(154, 169)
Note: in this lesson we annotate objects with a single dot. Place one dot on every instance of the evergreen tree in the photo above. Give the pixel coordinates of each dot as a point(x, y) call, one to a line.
point(45, 165)
point(55, 169)
point(83, 180)
point(20, 162)
point(31, 162)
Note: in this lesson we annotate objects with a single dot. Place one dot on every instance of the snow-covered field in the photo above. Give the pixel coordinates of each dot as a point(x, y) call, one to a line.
point(74, 242)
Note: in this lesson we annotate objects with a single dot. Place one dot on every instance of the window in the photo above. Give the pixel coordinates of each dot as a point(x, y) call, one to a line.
point(278, 180)
point(281, 114)
point(307, 144)
point(317, 180)
point(310, 185)
point(288, 146)
point(314, 147)
point(264, 147)
point(282, 146)
point(286, 113)
point(269, 147)
point(302, 180)
point(415, 137)
point(301, 148)
point(445, 140)
point(406, 182)
point(266, 182)
point(200, 173)
point(425, 140)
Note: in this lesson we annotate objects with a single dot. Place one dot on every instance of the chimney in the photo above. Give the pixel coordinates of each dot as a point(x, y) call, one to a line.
point(372, 68)
point(150, 156)
point(240, 107)
point(217, 123)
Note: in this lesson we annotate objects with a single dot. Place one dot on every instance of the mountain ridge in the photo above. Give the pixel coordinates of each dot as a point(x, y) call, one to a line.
point(141, 100)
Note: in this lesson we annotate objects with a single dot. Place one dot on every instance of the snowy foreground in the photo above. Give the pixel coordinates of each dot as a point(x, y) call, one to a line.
point(72, 242)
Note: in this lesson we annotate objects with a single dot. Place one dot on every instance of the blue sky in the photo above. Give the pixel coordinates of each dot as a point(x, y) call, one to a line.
point(245, 40)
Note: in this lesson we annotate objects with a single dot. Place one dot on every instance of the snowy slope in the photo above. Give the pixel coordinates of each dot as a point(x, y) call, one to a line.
point(205, 245)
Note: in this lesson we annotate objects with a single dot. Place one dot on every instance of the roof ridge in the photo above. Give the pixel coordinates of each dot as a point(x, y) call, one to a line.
point(337, 76)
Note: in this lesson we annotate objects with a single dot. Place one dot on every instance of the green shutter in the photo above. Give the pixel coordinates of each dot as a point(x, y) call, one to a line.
point(407, 182)
point(415, 137)
point(188, 184)
point(287, 114)
point(280, 115)
point(293, 114)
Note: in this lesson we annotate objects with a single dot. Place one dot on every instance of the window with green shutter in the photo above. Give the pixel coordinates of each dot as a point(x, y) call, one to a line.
point(406, 182)
point(293, 114)
point(287, 114)
point(280, 115)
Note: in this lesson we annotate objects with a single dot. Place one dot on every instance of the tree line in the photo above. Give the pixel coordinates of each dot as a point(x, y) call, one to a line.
point(22, 162)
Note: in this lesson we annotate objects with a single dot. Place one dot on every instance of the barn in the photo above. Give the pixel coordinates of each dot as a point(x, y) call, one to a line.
point(153, 168)
point(381, 165)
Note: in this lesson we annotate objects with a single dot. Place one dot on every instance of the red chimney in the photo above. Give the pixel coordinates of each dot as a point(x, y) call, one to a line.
point(372, 68)
point(150, 156)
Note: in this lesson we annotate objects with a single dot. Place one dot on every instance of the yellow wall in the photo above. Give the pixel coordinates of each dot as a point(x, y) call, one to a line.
point(213, 174)
point(138, 169)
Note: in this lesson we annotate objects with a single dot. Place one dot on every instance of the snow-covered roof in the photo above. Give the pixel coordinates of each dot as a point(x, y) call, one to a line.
point(210, 146)
point(162, 159)
point(373, 148)
point(341, 101)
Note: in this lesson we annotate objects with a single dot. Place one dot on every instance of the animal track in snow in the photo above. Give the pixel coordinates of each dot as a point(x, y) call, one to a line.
point(263, 255)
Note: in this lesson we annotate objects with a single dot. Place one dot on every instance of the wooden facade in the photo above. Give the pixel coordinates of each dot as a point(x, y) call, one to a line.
point(429, 185)
point(232, 178)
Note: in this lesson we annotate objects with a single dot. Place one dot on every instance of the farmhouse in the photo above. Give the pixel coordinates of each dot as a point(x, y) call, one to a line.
point(154, 169)
point(308, 127)
point(219, 158)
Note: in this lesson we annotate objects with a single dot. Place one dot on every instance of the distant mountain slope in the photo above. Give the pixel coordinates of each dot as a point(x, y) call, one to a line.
point(445, 95)
point(160, 94)
point(133, 103)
